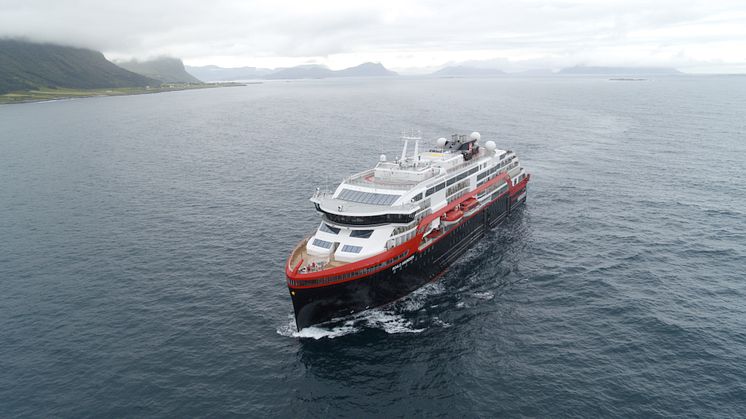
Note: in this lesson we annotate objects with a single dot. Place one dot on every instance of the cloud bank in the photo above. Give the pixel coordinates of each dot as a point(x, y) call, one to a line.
point(698, 35)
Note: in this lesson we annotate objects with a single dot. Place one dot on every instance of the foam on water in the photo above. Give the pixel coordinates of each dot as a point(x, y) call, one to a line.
point(316, 332)
point(485, 295)
point(390, 318)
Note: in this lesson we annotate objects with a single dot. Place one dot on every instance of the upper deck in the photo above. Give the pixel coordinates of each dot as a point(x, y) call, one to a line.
point(406, 172)
point(393, 191)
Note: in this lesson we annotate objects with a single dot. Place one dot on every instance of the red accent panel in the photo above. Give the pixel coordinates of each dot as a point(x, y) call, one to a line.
point(411, 245)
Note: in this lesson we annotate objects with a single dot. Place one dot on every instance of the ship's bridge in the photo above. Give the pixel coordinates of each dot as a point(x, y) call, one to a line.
point(357, 207)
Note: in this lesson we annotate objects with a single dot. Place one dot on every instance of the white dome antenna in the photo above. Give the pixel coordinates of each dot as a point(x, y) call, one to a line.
point(491, 146)
point(476, 136)
point(382, 158)
point(441, 142)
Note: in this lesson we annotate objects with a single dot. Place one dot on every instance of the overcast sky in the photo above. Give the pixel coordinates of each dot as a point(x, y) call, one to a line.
point(693, 35)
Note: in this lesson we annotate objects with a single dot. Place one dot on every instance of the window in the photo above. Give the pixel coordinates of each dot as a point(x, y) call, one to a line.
point(326, 228)
point(361, 234)
point(434, 189)
point(351, 249)
point(369, 220)
point(417, 197)
point(371, 198)
point(322, 243)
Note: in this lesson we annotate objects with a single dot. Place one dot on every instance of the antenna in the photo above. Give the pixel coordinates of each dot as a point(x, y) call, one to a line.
point(411, 136)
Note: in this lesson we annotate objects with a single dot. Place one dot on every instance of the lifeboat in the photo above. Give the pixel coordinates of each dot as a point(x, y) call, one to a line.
point(469, 204)
point(434, 234)
point(453, 215)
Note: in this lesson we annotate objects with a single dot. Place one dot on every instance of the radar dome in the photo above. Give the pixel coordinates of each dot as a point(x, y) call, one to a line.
point(475, 136)
point(491, 146)
point(383, 157)
point(441, 142)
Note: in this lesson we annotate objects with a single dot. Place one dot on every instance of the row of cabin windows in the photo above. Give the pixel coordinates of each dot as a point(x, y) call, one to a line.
point(461, 176)
point(493, 170)
point(492, 176)
point(435, 188)
point(367, 220)
point(455, 188)
point(451, 181)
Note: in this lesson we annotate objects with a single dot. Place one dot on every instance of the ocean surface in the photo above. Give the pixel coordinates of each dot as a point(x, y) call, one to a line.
point(143, 240)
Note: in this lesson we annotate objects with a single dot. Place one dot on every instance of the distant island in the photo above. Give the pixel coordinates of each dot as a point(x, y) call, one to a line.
point(619, 71)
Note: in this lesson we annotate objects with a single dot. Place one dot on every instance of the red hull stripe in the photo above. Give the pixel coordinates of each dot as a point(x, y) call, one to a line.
point(393, 253)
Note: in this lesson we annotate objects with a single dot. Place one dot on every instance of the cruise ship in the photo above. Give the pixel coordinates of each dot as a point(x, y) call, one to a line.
point(389, 230)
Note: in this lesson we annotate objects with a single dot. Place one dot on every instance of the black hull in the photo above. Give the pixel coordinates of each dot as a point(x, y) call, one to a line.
point(318, 305)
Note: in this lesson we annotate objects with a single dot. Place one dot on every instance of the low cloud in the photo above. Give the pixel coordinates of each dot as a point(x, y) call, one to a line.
point(705, 35)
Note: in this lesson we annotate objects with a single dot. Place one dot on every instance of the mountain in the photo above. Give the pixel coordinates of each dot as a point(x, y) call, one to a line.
point(460, 70)
point(312, 71)
point(215, 73)
point(542, 72)
point(619, 70)
point(321, 72)
point(301, 72)
point(365, 70)
point(165, 69)
point(27, 66)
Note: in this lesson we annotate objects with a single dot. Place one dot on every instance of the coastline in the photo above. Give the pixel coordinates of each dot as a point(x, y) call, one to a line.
point(50, 94)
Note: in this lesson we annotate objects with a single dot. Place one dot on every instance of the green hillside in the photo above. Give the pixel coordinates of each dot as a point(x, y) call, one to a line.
point(28, 66)
point(165, 69)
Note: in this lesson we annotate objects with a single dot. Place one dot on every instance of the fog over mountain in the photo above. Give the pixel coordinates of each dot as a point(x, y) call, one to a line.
point(165, 69)
point(418, 36)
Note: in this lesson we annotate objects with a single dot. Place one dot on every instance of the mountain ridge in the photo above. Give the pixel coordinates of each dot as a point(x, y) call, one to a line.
point(27, 65)
point(307, 71)
point(164, 69)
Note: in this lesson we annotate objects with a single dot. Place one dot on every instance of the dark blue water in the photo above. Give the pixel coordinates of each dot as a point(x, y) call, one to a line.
point(143, 240)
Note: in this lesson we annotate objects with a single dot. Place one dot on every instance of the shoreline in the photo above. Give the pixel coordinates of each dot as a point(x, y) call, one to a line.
point(50, 94)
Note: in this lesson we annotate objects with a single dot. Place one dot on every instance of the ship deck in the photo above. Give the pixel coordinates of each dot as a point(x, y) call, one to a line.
point(321, 264)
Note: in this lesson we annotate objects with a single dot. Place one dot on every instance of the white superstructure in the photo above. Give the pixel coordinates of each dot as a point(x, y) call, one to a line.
point(380, 208)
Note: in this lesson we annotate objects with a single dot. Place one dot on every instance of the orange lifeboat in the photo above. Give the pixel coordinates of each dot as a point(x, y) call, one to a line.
point(453, 215)
point(434, 234)
point(469, 204)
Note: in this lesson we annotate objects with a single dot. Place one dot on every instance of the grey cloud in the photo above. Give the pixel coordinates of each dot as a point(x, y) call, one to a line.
point(554, 30)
